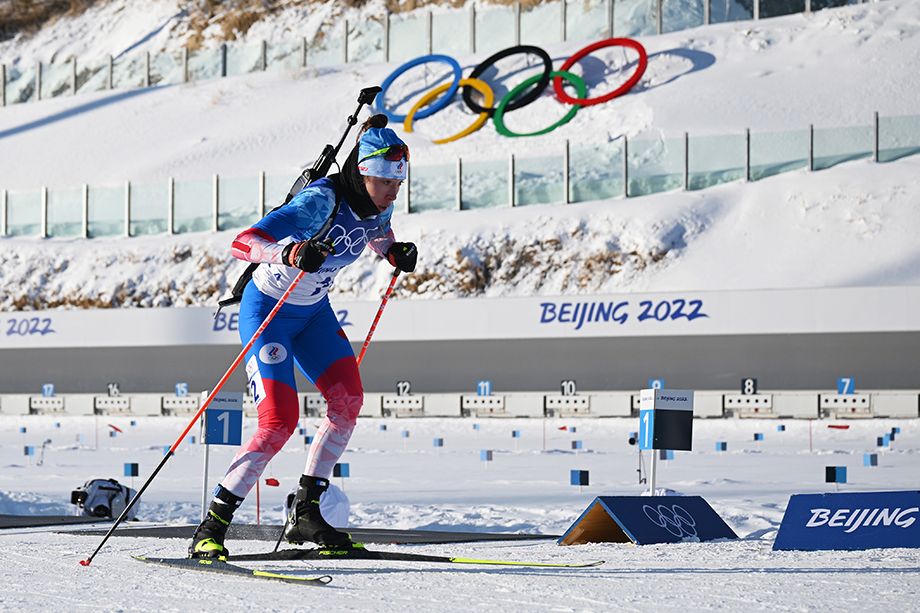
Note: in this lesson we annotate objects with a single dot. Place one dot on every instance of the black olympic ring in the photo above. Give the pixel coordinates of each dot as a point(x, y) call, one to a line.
point(524, 99)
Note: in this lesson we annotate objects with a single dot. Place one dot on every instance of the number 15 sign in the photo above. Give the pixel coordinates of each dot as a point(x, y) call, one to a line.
point(223, 420)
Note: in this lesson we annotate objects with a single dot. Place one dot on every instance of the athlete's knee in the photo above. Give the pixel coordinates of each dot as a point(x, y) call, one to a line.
point(280, 409)
point(341, 387)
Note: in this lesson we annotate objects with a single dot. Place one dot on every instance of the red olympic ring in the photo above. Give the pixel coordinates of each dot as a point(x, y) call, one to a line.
point(622, 89)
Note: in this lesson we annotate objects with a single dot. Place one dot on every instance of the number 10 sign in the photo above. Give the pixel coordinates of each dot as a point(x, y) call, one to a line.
point(223, 420)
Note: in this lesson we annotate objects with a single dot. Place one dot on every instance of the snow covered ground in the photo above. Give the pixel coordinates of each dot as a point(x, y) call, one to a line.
point(407, 483)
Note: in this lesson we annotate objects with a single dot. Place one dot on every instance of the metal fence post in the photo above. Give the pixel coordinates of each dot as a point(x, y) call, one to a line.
point(408, 188)
point(756, 9)
point(85, 210)
point(707, 12)
point(566, 198)
point(807, 6)
point(747, 154)
point(625, 166)
point(609, 18)
point(459, 183)
point(3, 209)
point(511, 179)
point(261, 194)
point(110, 78)
point(386, 37)
point(686, 161)
point(171, 206)
point(223, 59)
point(658, 18)
point(38, 80)
point(216, 203)
point(146, 69)
point(264, 56)
point(303, 52)
point(429, 26)
point(2, 84)
point(344, 41)
point(43, 230)
point(811, 147)
point(73, 75)
point(562, 25)
point(472, 28)
point(517, 22)
point(185, 65)
point(127, 209)
point(875, 138)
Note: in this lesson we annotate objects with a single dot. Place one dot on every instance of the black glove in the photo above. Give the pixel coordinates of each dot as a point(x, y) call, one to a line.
point(403, 256)
point(306, 255)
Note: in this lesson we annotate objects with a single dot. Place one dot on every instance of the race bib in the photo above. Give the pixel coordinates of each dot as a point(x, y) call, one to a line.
point(255, 380)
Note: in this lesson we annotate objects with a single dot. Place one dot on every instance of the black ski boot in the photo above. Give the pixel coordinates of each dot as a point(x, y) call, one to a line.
point(208, 541)
point(306, 523)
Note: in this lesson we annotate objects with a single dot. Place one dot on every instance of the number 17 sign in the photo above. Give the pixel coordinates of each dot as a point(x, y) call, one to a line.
point(223, 420)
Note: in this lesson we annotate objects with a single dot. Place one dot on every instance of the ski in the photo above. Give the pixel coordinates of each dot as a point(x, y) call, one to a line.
point(358, 552)
point(217, 566)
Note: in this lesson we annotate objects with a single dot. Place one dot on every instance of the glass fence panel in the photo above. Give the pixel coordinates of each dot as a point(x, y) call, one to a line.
point(237, 202)
point(775, 8)
point(682, 14)
point(92, 75)
point(542, 24)
point(365, 40)
point(586, 20)
point(166, 68)
point(898, 137)
point(20, 84)
point(485, 184)
point(277, 188)
point(596, 171)
point(817, 5)
point(730, 10)
point(539, 180)
point(655, 165)
point(328, 47)
point(243, 59)
point(128, 71)
point(433, 188)
point(204, 64)
point(149, 208)
point(450, 32)
point(407, 37)
point(635, 17)
point(285, 56)
point(24, 213)
point(494, 30)
point(776, 152)
point(716, 159)
point(837, 145)
point(194, 210)
point(65, 212)
point(107, 210)
point(57, 79)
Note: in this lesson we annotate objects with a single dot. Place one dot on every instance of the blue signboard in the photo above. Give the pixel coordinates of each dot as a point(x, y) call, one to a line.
point(578, 477)
point(646, 520)
point(646, 429)
point(485, 455)
point(846, 385)
point(224, 420)
point(862, 520)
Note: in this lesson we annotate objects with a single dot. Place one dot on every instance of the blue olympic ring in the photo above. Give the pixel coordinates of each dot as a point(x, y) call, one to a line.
point(435, 106)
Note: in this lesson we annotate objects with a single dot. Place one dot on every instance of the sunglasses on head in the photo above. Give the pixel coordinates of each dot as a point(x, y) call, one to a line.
point(393, 153)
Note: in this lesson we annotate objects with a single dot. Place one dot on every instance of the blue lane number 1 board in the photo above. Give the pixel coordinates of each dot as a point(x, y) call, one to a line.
point(223, 420)
point(665, 419)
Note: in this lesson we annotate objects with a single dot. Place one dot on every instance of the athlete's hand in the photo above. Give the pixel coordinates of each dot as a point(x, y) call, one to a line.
point(403, 256)
point(306, 255)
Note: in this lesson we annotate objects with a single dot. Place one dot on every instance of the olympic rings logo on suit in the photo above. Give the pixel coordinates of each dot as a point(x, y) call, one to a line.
point(517, 98)
point(675, 519)
point(354, 244)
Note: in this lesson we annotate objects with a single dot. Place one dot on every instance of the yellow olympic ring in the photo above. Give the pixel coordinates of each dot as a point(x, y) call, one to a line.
point(481, 86)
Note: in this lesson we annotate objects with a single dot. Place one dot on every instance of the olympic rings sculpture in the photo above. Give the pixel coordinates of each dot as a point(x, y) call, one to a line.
point(520, 96)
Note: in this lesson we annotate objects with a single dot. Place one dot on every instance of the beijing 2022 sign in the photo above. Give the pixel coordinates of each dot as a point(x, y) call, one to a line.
point(518, 97)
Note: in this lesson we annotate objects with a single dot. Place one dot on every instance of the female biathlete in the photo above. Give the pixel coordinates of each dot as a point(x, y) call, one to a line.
point(305, 331)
